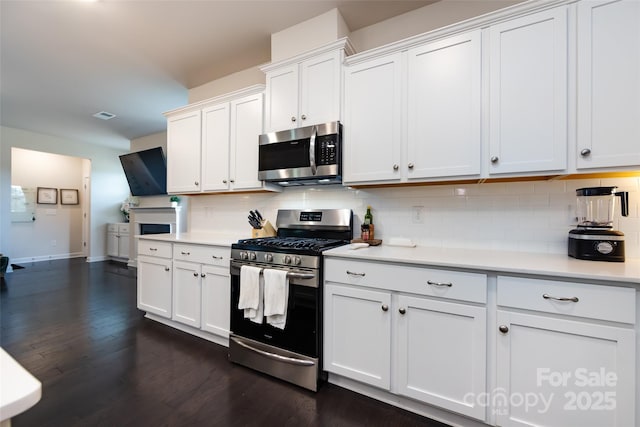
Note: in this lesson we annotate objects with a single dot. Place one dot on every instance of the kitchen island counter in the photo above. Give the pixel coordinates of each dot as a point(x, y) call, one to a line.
point(520, 263)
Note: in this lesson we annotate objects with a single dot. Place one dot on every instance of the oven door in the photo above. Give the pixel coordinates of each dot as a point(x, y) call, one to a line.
point(301, 332)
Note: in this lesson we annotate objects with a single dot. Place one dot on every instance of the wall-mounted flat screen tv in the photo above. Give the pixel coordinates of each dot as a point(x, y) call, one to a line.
point(146, 172)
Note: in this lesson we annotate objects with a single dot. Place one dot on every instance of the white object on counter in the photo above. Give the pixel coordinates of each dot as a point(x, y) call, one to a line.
point(358, 245)
point(401, 241)
point(19, 390)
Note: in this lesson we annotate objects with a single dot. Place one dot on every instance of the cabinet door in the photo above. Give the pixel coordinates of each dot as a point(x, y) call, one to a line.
point(441, 357)
point(320, 87)
point(357, 334)
point(528, 94)
point(216, 300)
point(186, 293)
point(154, 285)
point(112, 243)
point(608, 83)
point(556, 372)
point(373, 120)
point(123, 245)
point(444, 113)
point(282, 99)
point(183, 153)
point(215, 147)
point(246, 126)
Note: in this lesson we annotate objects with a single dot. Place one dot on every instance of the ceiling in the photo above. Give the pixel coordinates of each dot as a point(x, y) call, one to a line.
point(63, 61)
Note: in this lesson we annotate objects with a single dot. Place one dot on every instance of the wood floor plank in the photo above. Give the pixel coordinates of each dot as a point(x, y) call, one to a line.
point(76, 327)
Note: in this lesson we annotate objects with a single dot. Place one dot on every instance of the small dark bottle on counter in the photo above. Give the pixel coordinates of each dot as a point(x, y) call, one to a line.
point(368, 221)
point(364, 235)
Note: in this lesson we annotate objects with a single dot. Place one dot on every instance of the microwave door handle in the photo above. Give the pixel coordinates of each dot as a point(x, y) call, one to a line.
point(312, 150)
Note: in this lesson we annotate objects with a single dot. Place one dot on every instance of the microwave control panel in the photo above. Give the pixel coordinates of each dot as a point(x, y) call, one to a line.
point(327, 150)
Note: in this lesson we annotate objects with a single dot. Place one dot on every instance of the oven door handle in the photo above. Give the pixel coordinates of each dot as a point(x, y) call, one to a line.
point(300, 275)
point(291, 360)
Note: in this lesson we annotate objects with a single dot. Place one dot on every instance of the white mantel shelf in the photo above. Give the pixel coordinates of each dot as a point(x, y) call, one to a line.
point(519, 263)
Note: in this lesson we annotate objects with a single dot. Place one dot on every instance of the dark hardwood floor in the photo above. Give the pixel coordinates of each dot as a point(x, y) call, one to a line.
point(75, 327)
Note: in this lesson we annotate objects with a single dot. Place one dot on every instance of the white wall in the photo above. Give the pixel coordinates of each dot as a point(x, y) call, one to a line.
point(530, 216)
point(108, 184)
point(57, 229)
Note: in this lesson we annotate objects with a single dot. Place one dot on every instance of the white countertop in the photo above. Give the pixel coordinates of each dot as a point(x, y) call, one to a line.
point(538, 264)
point(19, 390)
point(198, 238)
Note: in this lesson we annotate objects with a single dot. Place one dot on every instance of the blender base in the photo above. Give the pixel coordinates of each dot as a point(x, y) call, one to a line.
point(596, 245)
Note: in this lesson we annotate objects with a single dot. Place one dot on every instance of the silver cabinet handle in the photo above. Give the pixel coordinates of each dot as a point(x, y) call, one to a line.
point(278, 357)
point(495, 159)
point(167, 269)
point(396, 167)
point(224, 181)
point(217, 257)
point(153, 249)
point(447, 284)
point(203, 275)
point(585, 152)
point(351, 273)
point(385, 307)
point(195, 274)
point(303, 117)
point(196, 183)
point(410, 165)
point(185, 253)
point(293, 118)
point(572, 299)
point(402, 310)
point(503, 328)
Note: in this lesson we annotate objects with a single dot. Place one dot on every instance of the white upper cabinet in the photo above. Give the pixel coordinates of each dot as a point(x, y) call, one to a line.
point(608, 84)
point(528, 94)
point(444, 108)
point(373, 120)
point(305, 90)
point(183, 152)
point(213, 146)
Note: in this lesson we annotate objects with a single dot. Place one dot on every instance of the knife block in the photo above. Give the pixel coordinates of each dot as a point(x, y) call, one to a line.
point(267, 230)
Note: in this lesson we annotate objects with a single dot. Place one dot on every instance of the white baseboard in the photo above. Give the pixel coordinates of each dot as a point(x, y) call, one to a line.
point(28, 260)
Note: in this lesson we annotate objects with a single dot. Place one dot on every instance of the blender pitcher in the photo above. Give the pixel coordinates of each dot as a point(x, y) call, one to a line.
point(596, 206)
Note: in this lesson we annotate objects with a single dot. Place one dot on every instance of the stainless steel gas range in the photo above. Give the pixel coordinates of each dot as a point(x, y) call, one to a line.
point(294, 352)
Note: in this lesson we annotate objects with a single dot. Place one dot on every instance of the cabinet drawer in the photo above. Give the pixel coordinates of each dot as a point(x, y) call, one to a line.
point(112, 228)
point(213, 255)
point(611, 303)
point(123, 228)
point(154, 248)
point(456, 285)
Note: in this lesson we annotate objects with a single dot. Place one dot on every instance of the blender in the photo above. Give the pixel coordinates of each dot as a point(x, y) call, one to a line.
point(594, 238)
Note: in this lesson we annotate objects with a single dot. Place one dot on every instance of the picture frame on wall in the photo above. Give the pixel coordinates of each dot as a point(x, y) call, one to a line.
point(69, 196)
point(47, 196)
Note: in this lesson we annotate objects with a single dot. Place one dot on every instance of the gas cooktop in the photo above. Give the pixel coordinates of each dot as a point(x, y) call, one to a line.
point(289, 244)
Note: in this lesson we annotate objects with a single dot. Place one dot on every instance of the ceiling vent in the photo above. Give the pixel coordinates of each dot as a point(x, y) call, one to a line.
point(104, 115)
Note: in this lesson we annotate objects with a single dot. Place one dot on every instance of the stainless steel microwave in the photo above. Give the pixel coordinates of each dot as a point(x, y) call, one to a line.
point(302, 156)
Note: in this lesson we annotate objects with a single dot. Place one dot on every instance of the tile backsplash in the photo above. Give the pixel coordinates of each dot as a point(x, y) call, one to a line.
point(532, 216)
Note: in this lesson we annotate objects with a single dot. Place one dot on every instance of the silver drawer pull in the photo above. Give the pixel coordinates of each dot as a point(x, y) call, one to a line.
point(572, 299)
point(153, 249)
point(351, 273)
point(216, 257)
point(447, 284)
point(185, 253)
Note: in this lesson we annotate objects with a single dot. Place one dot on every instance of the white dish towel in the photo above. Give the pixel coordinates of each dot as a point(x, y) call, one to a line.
point(251, 290)
point(276, 296)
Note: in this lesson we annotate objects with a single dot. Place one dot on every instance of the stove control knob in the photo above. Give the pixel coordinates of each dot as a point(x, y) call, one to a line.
point(243, 255)
point(268, 257)
point(297, 260)
point(252, 256)
point(287, 259)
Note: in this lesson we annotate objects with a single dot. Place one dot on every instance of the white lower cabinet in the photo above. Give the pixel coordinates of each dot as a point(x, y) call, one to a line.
point(357, 334)
point(558, 365)
point(154, 278)
point(441, 353)
point(428, 345)
point(189, 284)
point(186, 293)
